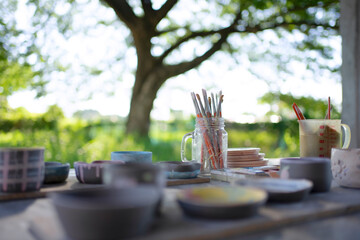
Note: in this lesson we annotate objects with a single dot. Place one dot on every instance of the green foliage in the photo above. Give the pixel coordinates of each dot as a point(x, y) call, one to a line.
point(71, 140)
point(310, 107)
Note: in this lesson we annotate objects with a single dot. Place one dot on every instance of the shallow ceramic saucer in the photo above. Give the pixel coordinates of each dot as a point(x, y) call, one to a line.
point(56, 172)
point(280, 190)
point(221, 202)
point(91, 173)
point(180, 170)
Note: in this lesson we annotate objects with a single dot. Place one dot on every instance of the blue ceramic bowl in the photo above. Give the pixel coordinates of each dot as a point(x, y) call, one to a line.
point(56, 172)
point(180, 170)
point(132, 156)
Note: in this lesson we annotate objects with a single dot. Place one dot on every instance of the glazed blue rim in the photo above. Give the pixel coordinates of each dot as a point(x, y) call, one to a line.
point(57, 166)
point(131, 152)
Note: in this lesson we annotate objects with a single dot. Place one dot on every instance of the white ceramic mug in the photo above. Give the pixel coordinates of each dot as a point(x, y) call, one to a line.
point(345, 167)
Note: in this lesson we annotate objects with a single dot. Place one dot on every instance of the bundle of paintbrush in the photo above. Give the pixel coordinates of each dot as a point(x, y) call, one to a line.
point(212, 138)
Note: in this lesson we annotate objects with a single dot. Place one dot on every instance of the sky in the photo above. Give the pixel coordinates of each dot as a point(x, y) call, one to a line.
point(111, 91)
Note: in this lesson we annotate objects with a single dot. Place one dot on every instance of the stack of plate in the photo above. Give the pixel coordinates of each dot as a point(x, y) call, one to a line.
point(245, 157)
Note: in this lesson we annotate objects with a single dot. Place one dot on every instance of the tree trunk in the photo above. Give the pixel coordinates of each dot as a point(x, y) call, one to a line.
point(144, 94)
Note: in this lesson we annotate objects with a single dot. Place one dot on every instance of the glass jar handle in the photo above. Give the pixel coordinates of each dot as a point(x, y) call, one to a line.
point(183, 145)
point(347, 135)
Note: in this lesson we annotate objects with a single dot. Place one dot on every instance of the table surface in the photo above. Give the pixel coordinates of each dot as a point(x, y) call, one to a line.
point(331, 215)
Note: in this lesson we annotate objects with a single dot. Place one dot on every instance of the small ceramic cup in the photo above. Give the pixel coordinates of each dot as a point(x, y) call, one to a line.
point(345, 167)
point(132, 174)
point(317, 170)
point(132, 156)
point(21, 169)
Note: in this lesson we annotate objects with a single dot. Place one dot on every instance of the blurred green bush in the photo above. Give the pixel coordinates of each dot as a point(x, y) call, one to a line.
point(74, 139)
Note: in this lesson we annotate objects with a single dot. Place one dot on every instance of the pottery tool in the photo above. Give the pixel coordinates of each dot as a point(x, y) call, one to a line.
point(197, 109)
point(209, 110)
point(214, 105)
point(206, 137)
point(298, 112)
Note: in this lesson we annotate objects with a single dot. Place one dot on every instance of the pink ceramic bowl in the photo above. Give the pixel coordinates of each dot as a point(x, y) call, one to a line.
point(91, 173)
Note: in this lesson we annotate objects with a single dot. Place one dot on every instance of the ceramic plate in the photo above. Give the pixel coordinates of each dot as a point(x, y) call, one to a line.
point(280, 190)
point(180, 170)
point(251, 157)
point(242, 151)
point(257, 163)
point(221, 202)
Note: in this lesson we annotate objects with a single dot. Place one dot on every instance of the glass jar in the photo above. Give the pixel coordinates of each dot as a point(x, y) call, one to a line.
point(209, 144)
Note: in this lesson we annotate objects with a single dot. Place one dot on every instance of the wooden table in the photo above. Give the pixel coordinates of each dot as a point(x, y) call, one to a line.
point(332, 215)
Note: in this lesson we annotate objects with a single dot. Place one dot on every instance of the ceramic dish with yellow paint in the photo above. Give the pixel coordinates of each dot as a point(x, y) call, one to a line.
point(221, 202)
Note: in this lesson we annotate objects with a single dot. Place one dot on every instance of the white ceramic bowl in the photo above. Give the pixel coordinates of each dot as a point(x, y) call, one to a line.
point(345, 167)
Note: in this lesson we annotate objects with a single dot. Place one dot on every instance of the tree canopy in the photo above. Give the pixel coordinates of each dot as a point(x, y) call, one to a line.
point(172, 37)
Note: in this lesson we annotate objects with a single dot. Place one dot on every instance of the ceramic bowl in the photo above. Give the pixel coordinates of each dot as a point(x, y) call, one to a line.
point(21, 169)
point(132, 174)
point(106, 213)
point(180, 170)
point(221, 202)
point(345, 167)
point(132, 156)
point(280, 190)
point(317, 170)
point(91, 173)
point(56, 172)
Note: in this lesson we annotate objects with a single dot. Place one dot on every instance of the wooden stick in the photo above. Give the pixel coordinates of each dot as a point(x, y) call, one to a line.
point(197, 110)
point(214, 104)
point(206, 103)
point(329, 108)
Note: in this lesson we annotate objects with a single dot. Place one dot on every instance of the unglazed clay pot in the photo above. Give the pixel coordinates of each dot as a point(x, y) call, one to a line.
point(345, 167)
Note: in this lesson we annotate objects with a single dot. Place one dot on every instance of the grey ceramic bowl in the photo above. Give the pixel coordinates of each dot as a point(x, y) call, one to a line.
point(21, 169)
point(179, 170)
point(91, 173)
point(317, 170)
point(106, 213)
point(56, 172)
point(132, 174)
point(132, 156)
